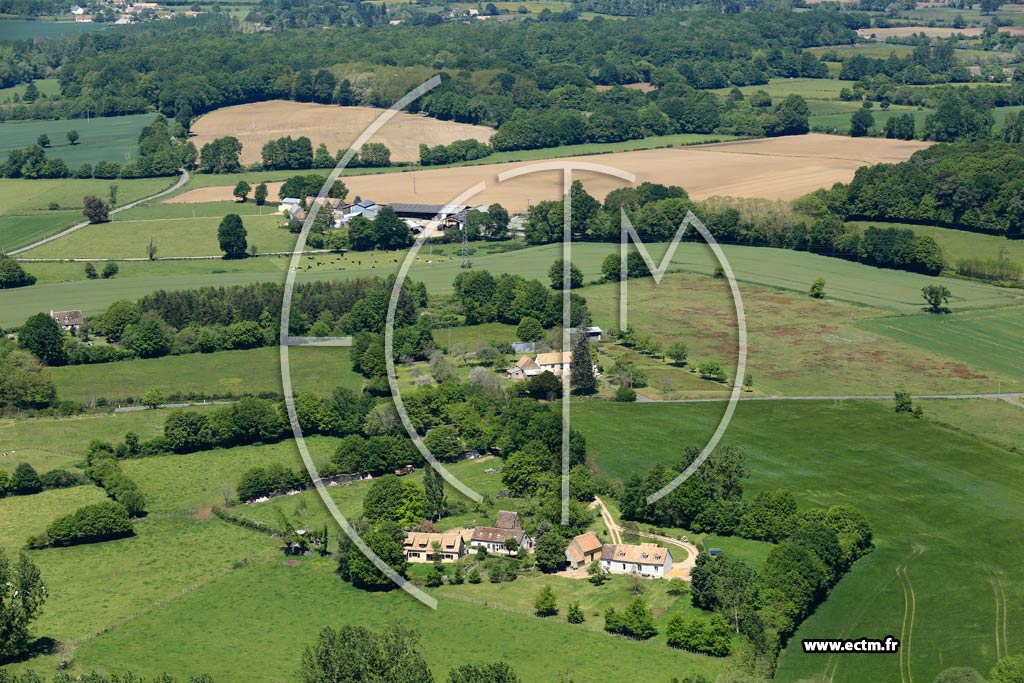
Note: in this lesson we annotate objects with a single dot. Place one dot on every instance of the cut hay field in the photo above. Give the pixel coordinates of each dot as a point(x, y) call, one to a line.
point(797, 345)
point(24, 204)
point(990, 338)
point(775, 168)
point(337, 127)
point(930, 31)
point(225, 372)
point(931, 495)
point(112, 138)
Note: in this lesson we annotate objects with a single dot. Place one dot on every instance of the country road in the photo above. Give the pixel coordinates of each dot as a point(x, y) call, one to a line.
point(685, 567)
point(184, 178)
point(1008, 397)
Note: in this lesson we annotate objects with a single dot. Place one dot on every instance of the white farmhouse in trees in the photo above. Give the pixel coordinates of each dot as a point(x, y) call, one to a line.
point(646, 560)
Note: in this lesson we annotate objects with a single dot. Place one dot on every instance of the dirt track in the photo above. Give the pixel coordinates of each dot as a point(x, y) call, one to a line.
point(773, 168)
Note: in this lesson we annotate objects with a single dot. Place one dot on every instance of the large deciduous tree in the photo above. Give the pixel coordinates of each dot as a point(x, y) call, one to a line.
point(232, 236)
point(22, 594)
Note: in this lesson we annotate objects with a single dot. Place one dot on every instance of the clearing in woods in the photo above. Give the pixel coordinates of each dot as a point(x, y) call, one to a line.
point(773, 168)
point(337, 127)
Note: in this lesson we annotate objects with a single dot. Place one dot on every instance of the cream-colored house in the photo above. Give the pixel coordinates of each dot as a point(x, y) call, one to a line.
point(646, 560)
point(419, 546)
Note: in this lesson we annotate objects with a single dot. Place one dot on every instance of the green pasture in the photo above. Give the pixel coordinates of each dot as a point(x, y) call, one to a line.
point(308, 596)
point(195, 481)
point(989, 339)
point(306, 510)
point(838, 117)
point(939, 501)
point(50, 87)
point(317, 370)
point(961, 244)
point(25, 29)
point(993, 420)
point(173, 236)
point(113, 138)
point(808, 88)
point(23, 516)
point(60, 443)
point(24, 204)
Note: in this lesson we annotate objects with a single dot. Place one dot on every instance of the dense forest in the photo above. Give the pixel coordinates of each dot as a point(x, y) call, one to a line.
point(973, 186)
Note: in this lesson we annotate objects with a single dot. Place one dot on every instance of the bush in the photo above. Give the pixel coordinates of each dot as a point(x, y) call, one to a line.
point(25, 480)
point(625, 394)
point(93, 523)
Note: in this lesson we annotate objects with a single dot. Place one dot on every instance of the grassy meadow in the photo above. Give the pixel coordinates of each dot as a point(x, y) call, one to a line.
point(48, 87)
point(110, 138)
point(996, 421)
point(26, 29)
point(931, 494)
point(24, 204)
point(175, 230)
point(987, 338)
point(226, 372)
point(961, 244)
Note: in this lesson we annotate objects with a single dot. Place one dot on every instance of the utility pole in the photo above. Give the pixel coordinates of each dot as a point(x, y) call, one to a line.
point(465, 248)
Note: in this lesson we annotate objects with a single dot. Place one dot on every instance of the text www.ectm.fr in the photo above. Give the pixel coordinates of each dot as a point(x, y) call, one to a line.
point(887, 645)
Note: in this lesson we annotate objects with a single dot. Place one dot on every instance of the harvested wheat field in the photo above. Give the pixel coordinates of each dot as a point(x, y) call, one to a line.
point(642, 87)
point(931, 32)
point(773, 168)
point(337, 127)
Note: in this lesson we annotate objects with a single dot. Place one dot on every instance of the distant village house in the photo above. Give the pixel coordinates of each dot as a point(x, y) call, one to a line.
point(69, 321)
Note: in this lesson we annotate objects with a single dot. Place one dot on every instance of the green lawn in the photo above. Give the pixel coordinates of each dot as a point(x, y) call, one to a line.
point(992, 420)
point(24, 204)
point(935, 498)
point(112, 138)
point(225, 372)
point(990, 339)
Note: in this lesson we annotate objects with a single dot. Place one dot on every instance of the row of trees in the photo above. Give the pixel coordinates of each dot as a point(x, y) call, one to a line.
point(25, 480)
point(510, 298)
point(767, 606)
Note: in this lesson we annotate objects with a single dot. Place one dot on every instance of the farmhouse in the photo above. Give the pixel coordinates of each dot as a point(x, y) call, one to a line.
point(493, 538)
point(419, 546)
point(646, 560)
point(525, 368)
point(69, 321)
point(583, 550)
point(555, 362)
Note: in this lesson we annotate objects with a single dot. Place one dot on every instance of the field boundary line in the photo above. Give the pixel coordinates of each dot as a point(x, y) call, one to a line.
point(182, 180)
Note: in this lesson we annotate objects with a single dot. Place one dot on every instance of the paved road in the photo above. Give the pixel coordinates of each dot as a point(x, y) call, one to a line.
point(184, 178)
point(1009, 397)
